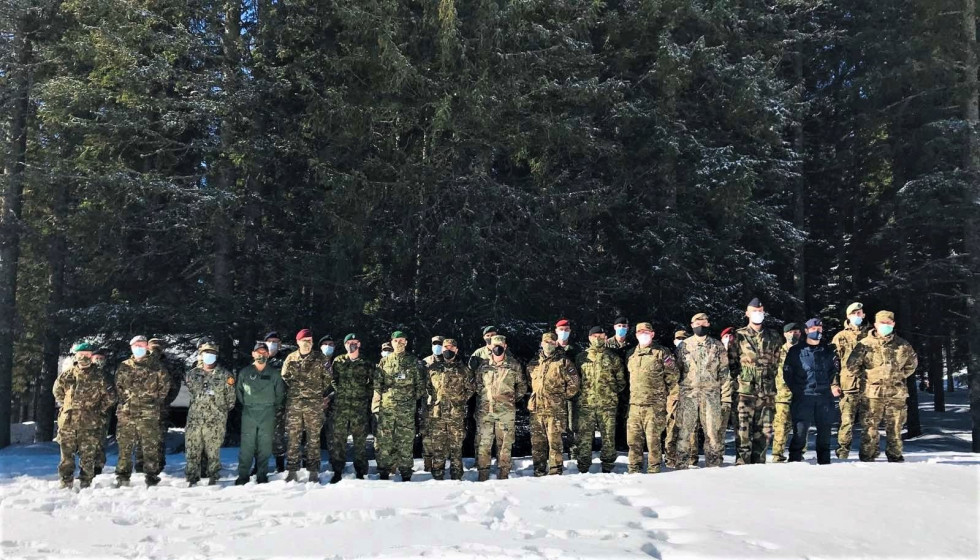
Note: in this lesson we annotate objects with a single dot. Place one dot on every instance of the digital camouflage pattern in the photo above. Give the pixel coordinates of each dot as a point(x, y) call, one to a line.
point(142, 387)
point(212, 396)
point(653, 376)
point(85, 395)
point(450, 386)
point(399, 384)
point(851, 386)
point(554, 380)
point(704, 383)
point(499, 387)
point(353, 382)
point(885, 362)
point(307, 381)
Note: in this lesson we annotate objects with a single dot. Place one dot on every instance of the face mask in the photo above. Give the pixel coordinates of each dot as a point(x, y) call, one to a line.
point(621, 331)
point(385, 354)
point(449, 355)
point(597, 342)
point(885, 330)
point(261, 359)
point(677, 342)
point(399, 345)
point(305, 346)
point(563, 335)
point(273, 347)
point(645, 339)
point(209, 359)
point(99, 363)
point(793, 338)
point(437, 349)
point(700, 331)
point(548, 349)
point(726, 340)
point(327, 350)
point(856, 320)
point(351, 348)
point(139, 351)
point(487, 340)
point(757, 317)
point(815, 335)
point(84, 362)
point(498, 351)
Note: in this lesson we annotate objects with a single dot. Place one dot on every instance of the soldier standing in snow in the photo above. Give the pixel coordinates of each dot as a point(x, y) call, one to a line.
point(212, 390)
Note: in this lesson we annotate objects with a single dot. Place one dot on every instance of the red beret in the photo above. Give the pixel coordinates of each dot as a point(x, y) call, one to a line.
point(305, 333)
point(726, 331)
point(562, 323)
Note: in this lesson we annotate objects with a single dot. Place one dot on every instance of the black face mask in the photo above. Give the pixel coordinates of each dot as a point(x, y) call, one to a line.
point(448, 355)
point(700, 331)
point(498, 350)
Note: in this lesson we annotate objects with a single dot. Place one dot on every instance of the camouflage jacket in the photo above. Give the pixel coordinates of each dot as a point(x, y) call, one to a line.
point(783, 393)
point(602, 378)
point(623, 349)
point(846, 341)
point(212, 394)
point(86, 393)
point(142, 387)
point(353, 383)
point(653, 375)
point(554, 380)
point(703, 365)
point(450, 386)
point(885, 362)
point(500, 386)
point(757, 355)
point(307, 377)
point(399, 381)
point(481, 355)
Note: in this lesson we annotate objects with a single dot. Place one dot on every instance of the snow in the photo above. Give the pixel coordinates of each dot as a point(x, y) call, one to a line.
point(927, 506)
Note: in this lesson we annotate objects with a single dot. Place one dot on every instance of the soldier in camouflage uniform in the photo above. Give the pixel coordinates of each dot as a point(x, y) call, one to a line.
point(212, 391)
point(274, 344)
point(84, 394)
point(398, 385)
point(653, 375)
point(307, 386)
point(602, 379)
point(437, 347)
point(450, 386)
point(261, 392)
point(704, 384)
point(849, 386)
point(142, 385)
point(500, 384)
point(755, 352)
point(156, 347)
point(729, 409)
point(670, 439)
point(328, 348)
point(99, 360)
point(554, 380)
point(482, 353)
point(353, 382)
point(885, 361)
point(782, 423)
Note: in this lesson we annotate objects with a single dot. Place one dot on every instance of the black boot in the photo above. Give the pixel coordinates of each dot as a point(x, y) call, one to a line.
point(241, 481)
point(383, 475)
point(280, 463)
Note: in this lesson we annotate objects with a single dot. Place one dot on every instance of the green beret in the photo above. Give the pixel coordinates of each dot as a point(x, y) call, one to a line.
point(350, 337)
point(82, 347)
point(488, 330)
point(397, 334)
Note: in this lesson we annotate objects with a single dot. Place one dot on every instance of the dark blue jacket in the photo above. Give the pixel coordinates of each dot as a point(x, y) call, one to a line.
point(810, 370)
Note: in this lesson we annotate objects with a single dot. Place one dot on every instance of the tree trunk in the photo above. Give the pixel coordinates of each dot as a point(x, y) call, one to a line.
point(948, 362)
point(10, 213)
point(51, 354)
point(799, 205)
point(936, 373)
point(971, 114)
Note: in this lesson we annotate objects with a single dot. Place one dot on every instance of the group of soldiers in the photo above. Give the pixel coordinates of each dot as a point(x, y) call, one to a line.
point(770, 386)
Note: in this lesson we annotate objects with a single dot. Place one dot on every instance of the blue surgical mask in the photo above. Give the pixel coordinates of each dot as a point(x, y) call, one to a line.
point(621, 331)
point(327, 350)
point(563, 335)
point(209, 359)
point(885, 330)
point(856, 320)
point(437, 349)
point(139, 351)
point(815, 335)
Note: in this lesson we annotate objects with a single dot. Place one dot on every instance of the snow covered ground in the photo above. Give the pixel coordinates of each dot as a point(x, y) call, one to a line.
point(927, 506)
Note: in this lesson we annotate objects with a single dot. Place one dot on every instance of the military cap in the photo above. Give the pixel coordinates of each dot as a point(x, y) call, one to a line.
point(324, 339)
point(260, 346)
point(137, 338)
point(791, 327)
point(387, 346)
point(305, 333)
point(498, 340)
point(101, 352)
point(755, 302)
point(815, 322)
point(398, 334)
point(596, 330)
point(641, 327)
point(883, 315)
point(350, 337)
point(621, 321)
point(271, 334)
point(208, 347)
point(853, 307)
point(437, 339)
point(681, 335)
point(82, 347)
point(156, 342)
point(699, 317)
point(727, 330)
point(449, 342)
point(549, 337)
point(489, 329)
point(563, 323)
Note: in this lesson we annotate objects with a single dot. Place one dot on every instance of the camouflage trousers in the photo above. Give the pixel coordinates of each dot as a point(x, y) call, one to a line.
point(754, 428)
point(670, 440)
point(852, 410)
point(446, 435)
point(893, 411)
point(164, 428)
point(703, 405)
point(76, 437)
point(782, 430)
point(496, 428)
point(204, 436)
point(279, 443)
point(644, 426)
point(395, 439)
point(143, 430)
point(304, 416)
point(100, 452)
point(546, 443)
point(588, 420)
point(354, 423)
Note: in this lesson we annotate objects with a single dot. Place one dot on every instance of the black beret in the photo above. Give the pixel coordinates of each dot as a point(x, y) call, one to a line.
point(621, 321)
point(755, 302)
point(596, 330)
point(791, 327)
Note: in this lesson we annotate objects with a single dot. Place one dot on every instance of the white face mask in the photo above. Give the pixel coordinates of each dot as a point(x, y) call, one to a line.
point(726, 340)
point(273, 347)
point(209, 359)
point(437, 349)
point(856, 320)
point(757, 317)
point(327, 350)
point(385, 354)
point(645, 339)
point(678, 341)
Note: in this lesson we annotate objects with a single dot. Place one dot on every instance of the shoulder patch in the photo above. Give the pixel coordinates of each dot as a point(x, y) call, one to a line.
point(231, 380)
